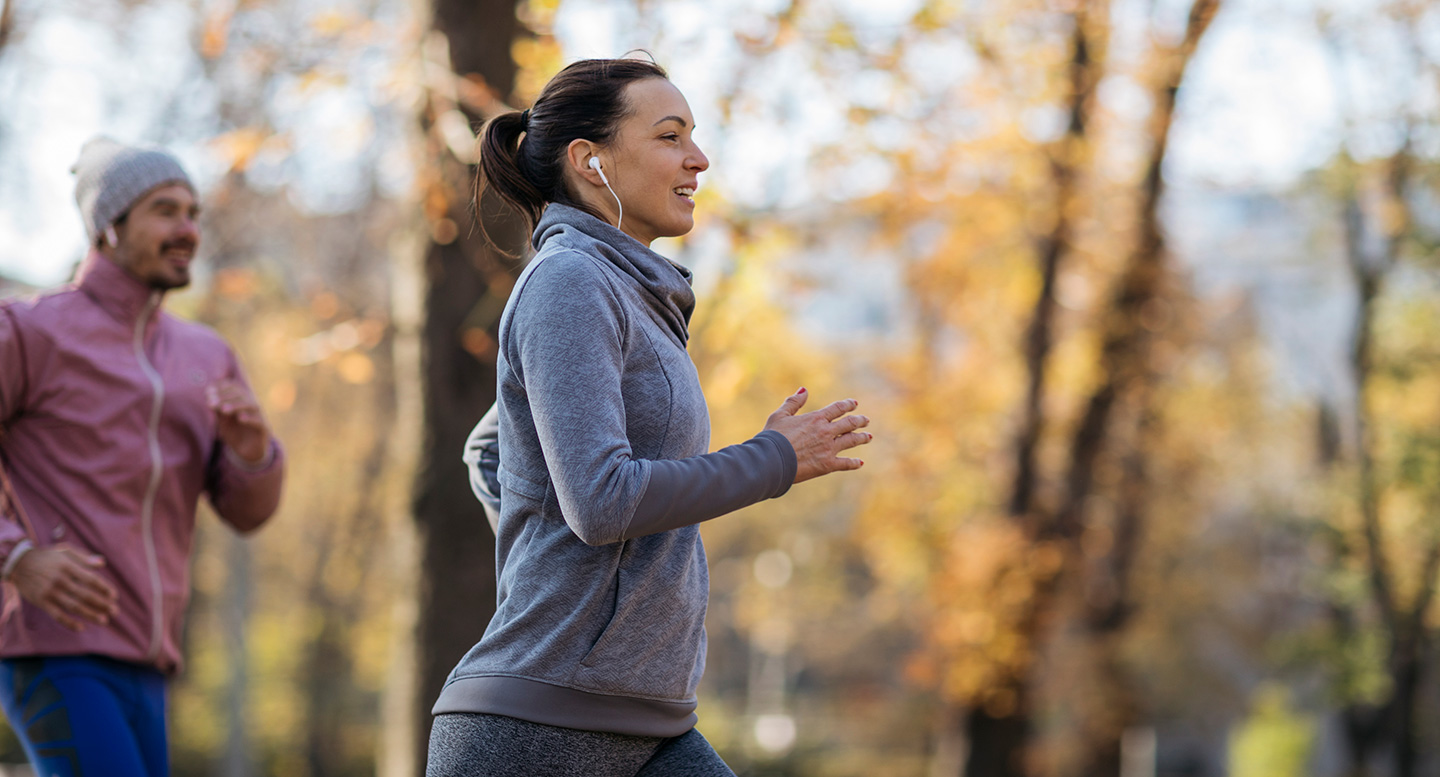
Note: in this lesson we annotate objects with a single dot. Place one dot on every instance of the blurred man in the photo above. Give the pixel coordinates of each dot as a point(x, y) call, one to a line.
point(114, 417)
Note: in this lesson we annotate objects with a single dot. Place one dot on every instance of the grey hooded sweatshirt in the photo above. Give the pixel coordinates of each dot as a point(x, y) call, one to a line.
point(600, 479)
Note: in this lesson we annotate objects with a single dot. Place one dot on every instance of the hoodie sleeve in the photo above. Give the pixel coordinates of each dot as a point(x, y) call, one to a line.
point(246, 496)
point(482, 461)
point(569, 345)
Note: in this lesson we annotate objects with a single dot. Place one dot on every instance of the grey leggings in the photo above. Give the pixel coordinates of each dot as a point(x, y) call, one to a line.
point(475, 745)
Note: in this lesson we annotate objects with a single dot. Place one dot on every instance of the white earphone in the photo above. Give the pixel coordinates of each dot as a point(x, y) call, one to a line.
point(110, 237)
point(595, 165)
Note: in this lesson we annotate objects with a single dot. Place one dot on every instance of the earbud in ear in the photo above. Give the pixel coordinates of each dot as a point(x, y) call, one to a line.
point(595, 165)
point(111, 239)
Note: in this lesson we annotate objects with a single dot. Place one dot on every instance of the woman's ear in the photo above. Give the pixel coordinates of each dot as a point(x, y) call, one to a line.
point(577, 157)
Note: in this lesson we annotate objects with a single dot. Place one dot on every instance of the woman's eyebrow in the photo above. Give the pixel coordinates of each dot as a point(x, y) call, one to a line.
point(669, 118)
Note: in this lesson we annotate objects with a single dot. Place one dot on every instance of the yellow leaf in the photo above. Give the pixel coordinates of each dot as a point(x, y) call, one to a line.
point(214, 35)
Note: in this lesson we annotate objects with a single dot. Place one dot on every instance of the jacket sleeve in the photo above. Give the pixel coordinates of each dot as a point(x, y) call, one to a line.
point(14, 372)
point(482, 461)
point(14, 368)
point(245, 496)
point(568, 328)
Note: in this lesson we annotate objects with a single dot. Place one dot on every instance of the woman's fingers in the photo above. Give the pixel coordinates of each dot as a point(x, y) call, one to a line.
point(792, 403)
point(835, 410)
point(820, 436)
point(849, 424)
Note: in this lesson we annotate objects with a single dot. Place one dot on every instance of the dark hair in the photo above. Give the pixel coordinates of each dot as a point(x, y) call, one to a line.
point(522, 153)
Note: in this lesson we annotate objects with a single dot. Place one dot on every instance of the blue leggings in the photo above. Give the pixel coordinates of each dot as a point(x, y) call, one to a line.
point(87, 715)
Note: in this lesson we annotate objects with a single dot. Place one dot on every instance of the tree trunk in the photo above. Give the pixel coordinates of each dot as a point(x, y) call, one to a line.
point(465, 291)
point(1369, 730)
point(998, 742)
point(7, 21)
point(1407, 663)
point(239, 757)
point(1110, 601)
point(1086, 67)
point(996, 738)
point(1406, 676)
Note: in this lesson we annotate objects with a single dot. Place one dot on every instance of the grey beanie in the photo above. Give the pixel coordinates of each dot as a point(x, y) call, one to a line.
point(110, 177)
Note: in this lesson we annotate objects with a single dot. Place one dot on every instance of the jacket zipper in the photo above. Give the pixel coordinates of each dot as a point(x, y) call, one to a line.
point(157, 471)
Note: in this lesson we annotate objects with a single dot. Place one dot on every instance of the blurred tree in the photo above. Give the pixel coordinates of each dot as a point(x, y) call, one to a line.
point(1392, 465)
point(1051, 546)
point(996, 219)
point(976, 198)
point(1141, 312)
point(469, 269)
point(7, 21)
point(1004, 735)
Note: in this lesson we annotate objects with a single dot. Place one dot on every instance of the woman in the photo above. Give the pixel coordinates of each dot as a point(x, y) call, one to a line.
point(590, 664)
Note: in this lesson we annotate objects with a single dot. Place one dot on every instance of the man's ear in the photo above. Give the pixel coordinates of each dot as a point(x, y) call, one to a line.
point(108, 241)
point(578, 155)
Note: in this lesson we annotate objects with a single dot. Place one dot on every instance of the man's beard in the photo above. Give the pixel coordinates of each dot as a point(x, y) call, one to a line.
point(161, 283)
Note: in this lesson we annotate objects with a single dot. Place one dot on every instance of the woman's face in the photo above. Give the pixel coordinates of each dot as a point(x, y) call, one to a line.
point(653, 164)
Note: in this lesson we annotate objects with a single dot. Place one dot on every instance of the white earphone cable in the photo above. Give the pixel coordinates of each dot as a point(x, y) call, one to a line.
point(595, 165)
point(621, 218)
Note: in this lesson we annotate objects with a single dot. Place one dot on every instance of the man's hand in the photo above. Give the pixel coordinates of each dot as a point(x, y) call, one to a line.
point(61, 581)
point(820, 436)
point(238, 420)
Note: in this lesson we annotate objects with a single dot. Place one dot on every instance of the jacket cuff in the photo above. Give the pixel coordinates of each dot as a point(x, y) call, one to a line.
point(789, 462)
point(265, 461)
point(21, 548)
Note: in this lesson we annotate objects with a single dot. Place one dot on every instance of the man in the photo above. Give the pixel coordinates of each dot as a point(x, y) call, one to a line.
point(114, 417)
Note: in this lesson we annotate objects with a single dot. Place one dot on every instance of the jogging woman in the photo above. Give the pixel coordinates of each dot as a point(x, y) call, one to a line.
point(590, 664)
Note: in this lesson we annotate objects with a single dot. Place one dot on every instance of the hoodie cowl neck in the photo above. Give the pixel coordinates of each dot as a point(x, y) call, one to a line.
point(667, 283)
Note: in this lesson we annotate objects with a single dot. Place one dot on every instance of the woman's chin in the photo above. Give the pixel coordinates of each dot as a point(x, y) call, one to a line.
point(681, 227)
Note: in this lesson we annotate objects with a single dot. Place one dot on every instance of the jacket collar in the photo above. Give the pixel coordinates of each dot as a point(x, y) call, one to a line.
point(116, 292)
point(666, 284)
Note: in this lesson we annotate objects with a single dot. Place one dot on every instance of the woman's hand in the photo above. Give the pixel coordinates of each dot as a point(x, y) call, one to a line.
point(818, 437)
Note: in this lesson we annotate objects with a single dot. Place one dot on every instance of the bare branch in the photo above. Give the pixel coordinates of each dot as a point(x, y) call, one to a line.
point(7, 22)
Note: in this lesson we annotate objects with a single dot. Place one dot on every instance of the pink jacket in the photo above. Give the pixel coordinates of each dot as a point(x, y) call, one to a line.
point(108, 441)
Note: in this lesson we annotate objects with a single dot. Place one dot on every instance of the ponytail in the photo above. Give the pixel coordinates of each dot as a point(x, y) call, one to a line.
point(500, 167)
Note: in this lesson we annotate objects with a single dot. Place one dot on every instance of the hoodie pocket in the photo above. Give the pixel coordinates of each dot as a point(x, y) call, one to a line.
point(653, 646)
point(520, 484)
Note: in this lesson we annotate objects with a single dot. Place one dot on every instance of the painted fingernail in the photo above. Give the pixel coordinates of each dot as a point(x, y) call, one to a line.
point(801, 391)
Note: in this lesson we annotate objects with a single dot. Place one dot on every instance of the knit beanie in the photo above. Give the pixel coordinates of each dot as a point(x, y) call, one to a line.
point(110, 177)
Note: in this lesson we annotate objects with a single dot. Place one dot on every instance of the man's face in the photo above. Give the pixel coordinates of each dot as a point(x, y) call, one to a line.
point(158, 238)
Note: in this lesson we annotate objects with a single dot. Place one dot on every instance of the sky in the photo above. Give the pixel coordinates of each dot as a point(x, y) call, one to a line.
point(1259, 108)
